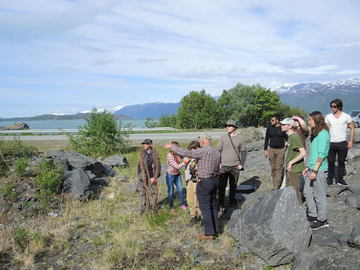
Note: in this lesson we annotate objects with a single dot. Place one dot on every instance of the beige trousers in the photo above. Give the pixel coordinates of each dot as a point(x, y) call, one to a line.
point(276, 159)
point(192, 199)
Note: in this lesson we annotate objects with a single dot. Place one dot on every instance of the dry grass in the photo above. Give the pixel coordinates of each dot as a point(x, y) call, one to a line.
point(110, 234)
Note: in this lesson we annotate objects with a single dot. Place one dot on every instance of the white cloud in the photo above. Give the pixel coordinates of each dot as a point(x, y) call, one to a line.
point(124, 52)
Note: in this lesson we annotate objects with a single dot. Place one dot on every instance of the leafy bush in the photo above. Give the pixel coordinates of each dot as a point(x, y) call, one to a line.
point(21, 238)
point(20, 166)
point(48, 178)
point(11, 151)
point(168, 121)
point(101, 135)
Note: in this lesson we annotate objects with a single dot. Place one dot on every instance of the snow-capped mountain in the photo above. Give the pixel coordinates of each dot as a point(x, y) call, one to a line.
point(316, 96)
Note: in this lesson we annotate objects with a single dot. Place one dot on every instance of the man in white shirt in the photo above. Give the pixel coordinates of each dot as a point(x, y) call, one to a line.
point(338, 122)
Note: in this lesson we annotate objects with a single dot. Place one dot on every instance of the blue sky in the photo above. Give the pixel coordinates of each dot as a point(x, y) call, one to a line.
point(69, 56)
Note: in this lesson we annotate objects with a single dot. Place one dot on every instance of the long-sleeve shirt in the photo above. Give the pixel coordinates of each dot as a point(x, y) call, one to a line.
point(209, 159)
point(227, 151)
point(173, 164)
point(319, 147)
point(276, 136)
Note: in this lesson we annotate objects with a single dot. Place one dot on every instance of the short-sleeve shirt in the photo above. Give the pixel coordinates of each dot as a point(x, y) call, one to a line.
point(338, 126)
point(294, 144)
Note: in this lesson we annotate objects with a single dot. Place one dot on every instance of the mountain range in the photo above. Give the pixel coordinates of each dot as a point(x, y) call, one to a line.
point(308, 96)
point(317, 96)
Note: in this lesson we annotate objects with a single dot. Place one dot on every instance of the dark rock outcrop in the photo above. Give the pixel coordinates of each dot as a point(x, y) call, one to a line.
point(16, 126)
point(116, 160)
point(326, 258)
point(76, 184)
point(274, 228)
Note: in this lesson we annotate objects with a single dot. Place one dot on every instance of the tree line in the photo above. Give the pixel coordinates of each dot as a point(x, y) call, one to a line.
point(249, 105)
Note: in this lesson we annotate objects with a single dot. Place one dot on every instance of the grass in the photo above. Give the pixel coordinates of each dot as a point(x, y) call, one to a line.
point(110, 234)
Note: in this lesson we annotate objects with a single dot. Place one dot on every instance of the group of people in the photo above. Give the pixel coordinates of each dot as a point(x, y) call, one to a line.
point(209, 169)
point(328, 144)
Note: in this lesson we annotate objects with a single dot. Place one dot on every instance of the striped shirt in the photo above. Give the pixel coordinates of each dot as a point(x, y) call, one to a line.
point(173, 164)
point(209, 159)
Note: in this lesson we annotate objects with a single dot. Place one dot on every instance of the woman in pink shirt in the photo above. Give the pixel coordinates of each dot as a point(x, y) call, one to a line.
point(173, 177)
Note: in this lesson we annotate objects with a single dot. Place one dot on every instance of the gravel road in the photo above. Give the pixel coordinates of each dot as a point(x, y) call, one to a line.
point(156, 137)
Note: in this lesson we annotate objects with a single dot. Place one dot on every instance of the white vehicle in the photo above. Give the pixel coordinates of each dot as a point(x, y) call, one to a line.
point(356, 117)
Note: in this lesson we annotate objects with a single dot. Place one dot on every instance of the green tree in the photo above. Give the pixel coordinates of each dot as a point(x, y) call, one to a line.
point(151, 122)
point(168, 121)
point(288, 111)
point(250, 105)
point(101, 135)
point(198, 110)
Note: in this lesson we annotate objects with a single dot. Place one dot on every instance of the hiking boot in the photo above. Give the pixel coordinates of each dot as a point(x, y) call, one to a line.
point(319, 225)
point(276, 187)
point(205, 237)
point(342, 183)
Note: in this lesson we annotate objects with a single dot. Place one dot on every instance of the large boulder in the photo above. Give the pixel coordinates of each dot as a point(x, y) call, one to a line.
point(116, 160)
point(354, 238)
point(275, 227)
point(353, 200)
point(17, 126)
point(328, 238)
point(326, 258)
point(251, 134)
point(76, 184)
point(74, 160)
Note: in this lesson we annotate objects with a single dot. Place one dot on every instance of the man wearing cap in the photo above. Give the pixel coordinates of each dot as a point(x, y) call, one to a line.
point(148, 172)
point(275, 138)
point(208, 172)
point(295, 156)
point(233, 155)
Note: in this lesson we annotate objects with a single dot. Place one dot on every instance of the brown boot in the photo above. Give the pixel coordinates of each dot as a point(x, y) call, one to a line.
point(205, 237)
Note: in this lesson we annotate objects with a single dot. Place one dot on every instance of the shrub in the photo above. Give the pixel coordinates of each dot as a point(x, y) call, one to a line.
point(101, 135)
point(21, 238)
point(20, 166)
point(48, 178)
point(11, 151)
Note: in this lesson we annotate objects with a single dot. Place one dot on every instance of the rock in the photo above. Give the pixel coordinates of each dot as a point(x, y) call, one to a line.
point(74, 160)
point(335, 190)
point(353, 200)
point(353, 153)
point(102, 181)
point(240, 249)
point(275, 227)
point(251, 134)
point(326, 258)
point(91, 175)
point(116, 161)
point(328, 238)
point(17, 126)
point(354, 238)
point(108, 171)
point(76, 184)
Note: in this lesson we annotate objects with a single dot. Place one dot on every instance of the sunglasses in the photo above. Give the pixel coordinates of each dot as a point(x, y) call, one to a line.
point(333, 106)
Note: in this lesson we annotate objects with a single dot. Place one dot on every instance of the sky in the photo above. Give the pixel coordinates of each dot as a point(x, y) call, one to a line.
point(68, 56)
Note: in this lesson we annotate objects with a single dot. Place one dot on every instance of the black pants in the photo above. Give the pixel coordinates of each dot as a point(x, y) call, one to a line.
point(230, 173)
point(206, 195)
point(340, 149)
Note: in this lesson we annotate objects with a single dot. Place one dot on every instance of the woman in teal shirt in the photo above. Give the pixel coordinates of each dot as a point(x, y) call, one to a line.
point(315, 174)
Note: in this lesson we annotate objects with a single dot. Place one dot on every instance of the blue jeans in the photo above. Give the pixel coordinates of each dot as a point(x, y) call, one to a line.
point(176, 180)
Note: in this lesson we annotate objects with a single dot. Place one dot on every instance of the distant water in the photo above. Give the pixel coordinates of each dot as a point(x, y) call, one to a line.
point(68, 124)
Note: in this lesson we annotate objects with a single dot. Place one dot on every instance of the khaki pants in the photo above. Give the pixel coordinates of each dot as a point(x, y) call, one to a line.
point(276, 159)
point(294, 179)
point(191, 199)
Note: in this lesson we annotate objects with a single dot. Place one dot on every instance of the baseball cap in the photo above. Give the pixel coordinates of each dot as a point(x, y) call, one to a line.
point(288, 121)
point(147, 141)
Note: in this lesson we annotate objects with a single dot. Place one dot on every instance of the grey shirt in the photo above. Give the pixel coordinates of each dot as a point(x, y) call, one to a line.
point(228, 155)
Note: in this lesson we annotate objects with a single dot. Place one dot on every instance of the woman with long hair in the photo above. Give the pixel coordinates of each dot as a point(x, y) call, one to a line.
point(315, 174)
